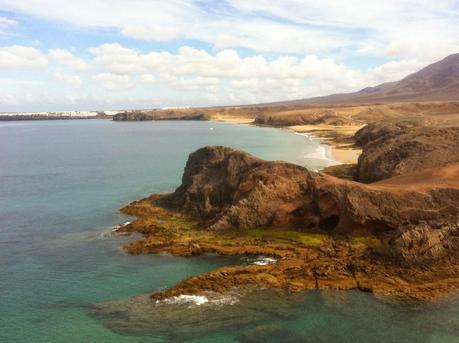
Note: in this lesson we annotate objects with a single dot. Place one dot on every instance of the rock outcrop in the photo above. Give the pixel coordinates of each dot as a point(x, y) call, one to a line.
point(228, 188)
point(160, 115)
point(395, 237)
point(305, 117)
point(403, 146)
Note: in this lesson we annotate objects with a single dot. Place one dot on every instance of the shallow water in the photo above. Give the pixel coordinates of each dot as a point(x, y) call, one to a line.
point(273, 316)
point(61, 185)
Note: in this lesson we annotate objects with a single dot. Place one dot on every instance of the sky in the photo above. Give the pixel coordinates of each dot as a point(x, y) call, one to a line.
point(58, 55)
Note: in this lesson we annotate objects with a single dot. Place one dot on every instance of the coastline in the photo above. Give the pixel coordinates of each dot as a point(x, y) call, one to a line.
point(340, 147)
point(338, 138)
point(232, 119)
point(319, 231)
point(292, 261)
point(355, 256)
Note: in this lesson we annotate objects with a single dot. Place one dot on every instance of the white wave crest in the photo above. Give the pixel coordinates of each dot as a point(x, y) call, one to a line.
point(308, 136)
point(116, 228)
point(187, 299)
point(323, 151)
point(198, 300)
point(264, 260)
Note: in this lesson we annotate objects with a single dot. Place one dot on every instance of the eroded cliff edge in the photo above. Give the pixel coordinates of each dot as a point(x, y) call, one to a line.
point(396, 236)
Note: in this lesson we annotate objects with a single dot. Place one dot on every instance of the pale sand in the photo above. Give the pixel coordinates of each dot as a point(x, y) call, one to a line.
point(342, 152)
point(345, 155)
point(232, 119)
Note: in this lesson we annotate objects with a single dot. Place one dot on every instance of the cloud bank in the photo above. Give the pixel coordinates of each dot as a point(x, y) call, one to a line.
point(189, 52)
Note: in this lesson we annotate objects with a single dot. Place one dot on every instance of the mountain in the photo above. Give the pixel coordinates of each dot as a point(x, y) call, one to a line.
point(438, 81)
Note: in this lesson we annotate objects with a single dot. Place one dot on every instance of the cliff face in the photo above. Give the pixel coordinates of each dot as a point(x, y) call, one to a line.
point(229, 188)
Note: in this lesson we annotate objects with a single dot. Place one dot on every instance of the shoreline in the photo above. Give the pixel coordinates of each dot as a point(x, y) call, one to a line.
point(337, 139)
point(323, 235)
point(329, 135)
point(298, 261)
point(323, 232)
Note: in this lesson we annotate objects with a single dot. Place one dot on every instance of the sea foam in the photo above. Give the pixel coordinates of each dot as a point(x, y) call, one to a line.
point(264, 260)
point(116, 228)
point(323, 151)
point(198, 300)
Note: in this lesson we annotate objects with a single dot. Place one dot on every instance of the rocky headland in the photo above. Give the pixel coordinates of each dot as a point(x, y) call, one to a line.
point(393, 230)
point(385, 222)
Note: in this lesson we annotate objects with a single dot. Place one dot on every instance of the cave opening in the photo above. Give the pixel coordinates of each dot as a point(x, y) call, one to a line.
point(330, 223)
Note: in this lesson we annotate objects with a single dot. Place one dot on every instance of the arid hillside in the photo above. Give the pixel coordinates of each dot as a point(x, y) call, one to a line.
point(336, 115)
point(436, 82)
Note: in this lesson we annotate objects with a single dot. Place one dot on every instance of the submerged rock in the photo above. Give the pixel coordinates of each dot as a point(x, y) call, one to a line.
point(183, 321)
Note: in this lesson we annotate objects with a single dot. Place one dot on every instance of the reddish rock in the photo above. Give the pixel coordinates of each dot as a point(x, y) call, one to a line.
point(229, 188)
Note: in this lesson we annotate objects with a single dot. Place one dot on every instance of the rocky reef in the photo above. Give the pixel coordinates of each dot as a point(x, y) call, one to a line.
point(397, 236)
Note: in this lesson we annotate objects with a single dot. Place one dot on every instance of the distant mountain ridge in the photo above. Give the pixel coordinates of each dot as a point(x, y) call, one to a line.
point(436, 82)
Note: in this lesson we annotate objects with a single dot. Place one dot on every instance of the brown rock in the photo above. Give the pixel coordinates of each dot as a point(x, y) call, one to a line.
point(404, 146)
point(228, 188)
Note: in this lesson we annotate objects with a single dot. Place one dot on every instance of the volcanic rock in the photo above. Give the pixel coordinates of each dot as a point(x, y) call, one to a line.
point(229, 188)
point(403, 146)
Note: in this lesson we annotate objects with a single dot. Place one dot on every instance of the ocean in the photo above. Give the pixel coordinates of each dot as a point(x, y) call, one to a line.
point(65, 278)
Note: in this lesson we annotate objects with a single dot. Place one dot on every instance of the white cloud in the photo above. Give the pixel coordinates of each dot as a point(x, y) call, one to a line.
point(377, 15)
point(102, 13)
point(226, 64)
point(113, 81)
point(411, 28)
point(6, 23)
point(426, 46)
point(148, 78)
point(392, 71)
point(198, 83)
point(117, 59)
point(268, 36)
point(301, 26)
point(182, 19)
point(151, 33)
point(22, 57)
point(196, 77)
point(72, 80)
point(296, 48)
point(225, 74)
point(66, 58)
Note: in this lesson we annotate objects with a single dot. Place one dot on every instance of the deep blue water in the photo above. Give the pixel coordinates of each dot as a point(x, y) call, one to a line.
point(61, 185)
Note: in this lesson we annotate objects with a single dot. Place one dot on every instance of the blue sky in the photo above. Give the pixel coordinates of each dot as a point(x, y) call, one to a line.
point(113, 54)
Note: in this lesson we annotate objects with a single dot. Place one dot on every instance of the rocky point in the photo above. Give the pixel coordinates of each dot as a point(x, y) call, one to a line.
point(397, 236)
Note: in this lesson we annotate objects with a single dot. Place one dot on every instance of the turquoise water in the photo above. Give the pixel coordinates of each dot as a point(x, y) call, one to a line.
point(61, 185)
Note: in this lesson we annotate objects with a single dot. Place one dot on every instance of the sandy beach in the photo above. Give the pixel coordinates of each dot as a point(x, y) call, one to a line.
point(339, 138)
point(232, 119)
